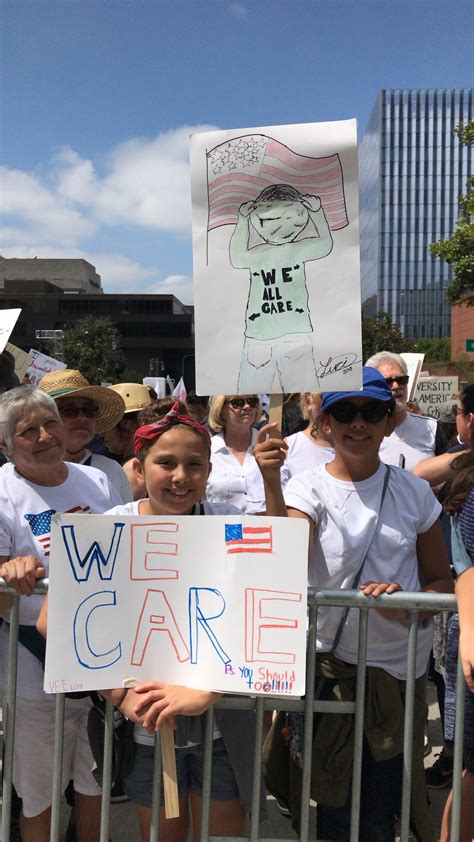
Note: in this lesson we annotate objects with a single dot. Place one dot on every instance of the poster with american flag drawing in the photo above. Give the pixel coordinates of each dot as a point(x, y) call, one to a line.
point(276, 259)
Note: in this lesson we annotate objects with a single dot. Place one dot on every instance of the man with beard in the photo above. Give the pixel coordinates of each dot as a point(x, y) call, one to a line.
point(415, 437)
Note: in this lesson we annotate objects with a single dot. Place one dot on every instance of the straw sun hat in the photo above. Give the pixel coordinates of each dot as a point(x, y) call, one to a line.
point(67, 382)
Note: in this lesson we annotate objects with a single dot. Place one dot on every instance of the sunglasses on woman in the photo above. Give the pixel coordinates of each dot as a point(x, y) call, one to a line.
point(70, 410)
point(239, 403)
point(371, 413)
point(402, 380)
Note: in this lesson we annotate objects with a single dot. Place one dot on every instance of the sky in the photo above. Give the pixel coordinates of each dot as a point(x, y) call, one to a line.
point(98, 99)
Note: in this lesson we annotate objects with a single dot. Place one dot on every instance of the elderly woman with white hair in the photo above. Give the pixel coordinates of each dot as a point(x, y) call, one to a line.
point(235, 477)
point(36, 484)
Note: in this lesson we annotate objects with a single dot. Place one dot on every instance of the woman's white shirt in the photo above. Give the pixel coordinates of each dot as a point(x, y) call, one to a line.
point(345, 516)
point(25, 525)
point(231, 482)
point(303, 453)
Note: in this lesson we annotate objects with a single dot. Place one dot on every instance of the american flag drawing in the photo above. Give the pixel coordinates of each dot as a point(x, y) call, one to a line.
point(248, 539)
point(40, 525)
point(239, 169)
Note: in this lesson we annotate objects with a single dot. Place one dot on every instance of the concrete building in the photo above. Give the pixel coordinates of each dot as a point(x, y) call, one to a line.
point(412, 170)
point(71, 275)
point(157, 331)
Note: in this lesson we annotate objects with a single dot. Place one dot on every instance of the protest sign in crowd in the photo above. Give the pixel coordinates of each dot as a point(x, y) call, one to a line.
point(180, 534)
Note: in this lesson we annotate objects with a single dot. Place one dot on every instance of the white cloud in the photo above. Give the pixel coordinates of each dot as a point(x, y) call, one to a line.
point(179, 285)
point(144, 183)
point(238, 10)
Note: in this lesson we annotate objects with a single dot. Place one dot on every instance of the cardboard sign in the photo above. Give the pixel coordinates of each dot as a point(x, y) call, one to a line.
point(204, 602)
point(276, 259)
point(8, 320)
point(40, 365)
point(414, 363)
point(434, 394)
point(22, 360)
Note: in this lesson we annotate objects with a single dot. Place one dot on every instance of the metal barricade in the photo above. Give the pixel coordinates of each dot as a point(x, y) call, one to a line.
point(412, 602)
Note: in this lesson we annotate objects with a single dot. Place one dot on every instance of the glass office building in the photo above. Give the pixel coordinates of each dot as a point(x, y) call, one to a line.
point(412, 170)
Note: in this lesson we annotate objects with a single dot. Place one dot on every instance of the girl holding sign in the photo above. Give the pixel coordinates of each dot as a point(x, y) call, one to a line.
point(377, 529)
point(173, 461)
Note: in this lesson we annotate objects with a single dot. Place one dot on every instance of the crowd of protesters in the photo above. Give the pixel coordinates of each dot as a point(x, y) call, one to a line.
point(390, 507)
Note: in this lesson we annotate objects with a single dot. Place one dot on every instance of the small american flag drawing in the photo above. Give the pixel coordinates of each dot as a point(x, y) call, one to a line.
point(40, 525)
point(248, 539)
point(239, 169)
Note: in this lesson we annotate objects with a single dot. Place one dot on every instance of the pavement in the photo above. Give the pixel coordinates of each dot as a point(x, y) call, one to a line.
point(124, 825)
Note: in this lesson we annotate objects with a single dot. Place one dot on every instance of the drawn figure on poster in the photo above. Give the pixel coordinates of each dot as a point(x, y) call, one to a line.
point(278, 229)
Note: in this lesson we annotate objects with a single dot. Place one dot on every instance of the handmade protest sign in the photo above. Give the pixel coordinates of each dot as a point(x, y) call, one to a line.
point(204, 602)
point(40, 365)
point(8, 320)
point(276, 259)
point(434, 394)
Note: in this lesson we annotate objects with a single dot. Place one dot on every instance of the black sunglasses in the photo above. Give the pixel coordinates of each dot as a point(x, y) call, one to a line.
point(70, 410)
point(239, 403)
point(345, 411)
point(402, 380)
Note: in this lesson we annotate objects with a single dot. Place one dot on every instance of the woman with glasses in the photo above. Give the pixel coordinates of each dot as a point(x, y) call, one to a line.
point(235, 477)
point(35, 485)
point(375, 529)
point(86, 410)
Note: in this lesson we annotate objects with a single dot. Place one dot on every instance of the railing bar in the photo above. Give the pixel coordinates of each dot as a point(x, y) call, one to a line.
point(9, 713)
point(359, 724)
point(60, 703)
point(107, 773)
point(458, 753)
point(257, 766)
point(308, 721)
point(408, 728)
point(206, 775)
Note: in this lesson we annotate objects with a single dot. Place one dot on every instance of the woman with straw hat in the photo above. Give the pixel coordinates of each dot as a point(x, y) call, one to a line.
point(86, 410)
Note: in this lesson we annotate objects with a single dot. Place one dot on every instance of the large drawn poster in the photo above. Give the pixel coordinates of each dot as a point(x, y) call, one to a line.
point(204, 602)
point(276, 259)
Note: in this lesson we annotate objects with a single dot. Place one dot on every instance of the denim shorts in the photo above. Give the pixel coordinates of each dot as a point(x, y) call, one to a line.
point(189, 768)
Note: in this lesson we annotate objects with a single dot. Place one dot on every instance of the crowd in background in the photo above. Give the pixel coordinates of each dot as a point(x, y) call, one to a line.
point(71, 445)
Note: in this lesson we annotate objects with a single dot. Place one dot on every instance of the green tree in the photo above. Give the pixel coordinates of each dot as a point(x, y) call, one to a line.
point(92, 346)
point(380, 334)
point(435, 350)
point(458, 251)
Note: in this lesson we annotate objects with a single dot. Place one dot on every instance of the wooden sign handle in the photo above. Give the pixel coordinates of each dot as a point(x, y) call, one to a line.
point(276, 411)
point(168, 764)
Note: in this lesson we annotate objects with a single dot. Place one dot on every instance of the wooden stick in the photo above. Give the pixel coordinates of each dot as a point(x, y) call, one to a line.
point(276, 411)
point(168, 761)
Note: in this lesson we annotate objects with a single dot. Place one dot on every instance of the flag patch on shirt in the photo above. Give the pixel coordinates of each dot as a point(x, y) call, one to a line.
point(248, 539)
point(40, 524)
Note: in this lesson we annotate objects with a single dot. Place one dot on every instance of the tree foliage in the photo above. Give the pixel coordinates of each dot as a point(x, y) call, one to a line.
point(435, 350)
point(458, 251)
point(92, 346)
point(380, 334)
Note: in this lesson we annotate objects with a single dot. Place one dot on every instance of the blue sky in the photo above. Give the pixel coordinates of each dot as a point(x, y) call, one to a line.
point(98, 100)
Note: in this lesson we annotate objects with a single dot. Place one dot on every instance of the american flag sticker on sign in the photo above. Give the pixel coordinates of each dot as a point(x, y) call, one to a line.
point(248, 539)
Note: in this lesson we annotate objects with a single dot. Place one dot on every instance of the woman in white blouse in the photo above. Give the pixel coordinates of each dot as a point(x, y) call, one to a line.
point(235, 477)
point(310, 447)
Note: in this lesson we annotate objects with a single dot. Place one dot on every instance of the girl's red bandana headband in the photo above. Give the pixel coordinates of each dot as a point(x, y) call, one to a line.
point(150, 432)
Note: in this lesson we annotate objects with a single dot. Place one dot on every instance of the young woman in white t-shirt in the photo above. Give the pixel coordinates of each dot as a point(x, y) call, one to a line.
point(395, 545)
point(309, 447)
point(173, 462)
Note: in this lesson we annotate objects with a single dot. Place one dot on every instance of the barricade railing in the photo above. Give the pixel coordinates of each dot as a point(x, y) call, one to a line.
point(411, 602)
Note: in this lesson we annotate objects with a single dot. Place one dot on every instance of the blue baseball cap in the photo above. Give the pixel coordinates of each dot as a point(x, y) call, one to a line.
point(374, 386)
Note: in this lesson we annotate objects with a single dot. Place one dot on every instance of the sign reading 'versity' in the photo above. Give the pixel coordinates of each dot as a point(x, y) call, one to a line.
point(197, 601)
point(433, 394)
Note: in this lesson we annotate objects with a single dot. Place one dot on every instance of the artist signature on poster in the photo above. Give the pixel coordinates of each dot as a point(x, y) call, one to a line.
point(343, 363)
